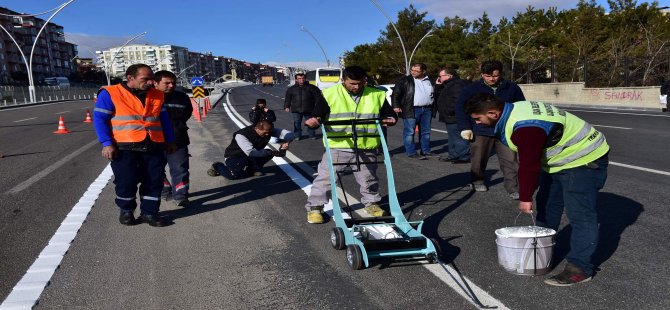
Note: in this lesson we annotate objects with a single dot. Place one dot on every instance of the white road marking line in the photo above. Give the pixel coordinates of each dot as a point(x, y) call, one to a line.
point(438, 130)
point(640, 168)
point(306, 186)
point(23, 120)
point(611, 126)
point(63, 112)
point(25, 184)
point(27, 291)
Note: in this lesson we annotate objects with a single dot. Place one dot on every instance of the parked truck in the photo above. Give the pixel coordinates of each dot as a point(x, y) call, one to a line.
point(267, 80)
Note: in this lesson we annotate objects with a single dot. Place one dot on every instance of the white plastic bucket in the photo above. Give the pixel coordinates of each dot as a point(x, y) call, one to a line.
point(525, 250)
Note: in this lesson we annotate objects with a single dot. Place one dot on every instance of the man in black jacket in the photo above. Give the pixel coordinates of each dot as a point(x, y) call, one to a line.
point(299, 100)
point(261, 112)
point(178, 106)
point(448, 88)
point(482, 139)
point(413, 100)
point(246, 155)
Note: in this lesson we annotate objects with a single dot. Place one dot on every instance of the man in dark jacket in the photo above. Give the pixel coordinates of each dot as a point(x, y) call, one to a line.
point(448, 87)
point(246, 155)
point(413, 99)
point(179, 108)
point(299, 100)
point(482, 139)
point(260, 112)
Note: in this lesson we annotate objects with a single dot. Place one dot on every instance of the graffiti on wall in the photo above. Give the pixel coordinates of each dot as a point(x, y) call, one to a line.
point(617, 95)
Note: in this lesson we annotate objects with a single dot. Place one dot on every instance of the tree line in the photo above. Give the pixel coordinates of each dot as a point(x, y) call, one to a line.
point(627, 46)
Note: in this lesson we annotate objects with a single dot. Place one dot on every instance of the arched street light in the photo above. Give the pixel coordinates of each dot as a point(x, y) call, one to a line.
point(302, 28)
point(428, 34)
point(29, 61)
point(404, 51)
point(111, 62)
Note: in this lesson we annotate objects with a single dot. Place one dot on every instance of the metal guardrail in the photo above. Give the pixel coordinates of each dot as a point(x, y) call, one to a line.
point(18, 95)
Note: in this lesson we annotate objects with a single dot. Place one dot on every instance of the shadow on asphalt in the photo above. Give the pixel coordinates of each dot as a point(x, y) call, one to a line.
point(241, 191)
point(615, 214)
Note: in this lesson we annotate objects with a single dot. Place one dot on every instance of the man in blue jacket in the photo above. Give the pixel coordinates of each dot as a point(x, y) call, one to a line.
point(482, 138)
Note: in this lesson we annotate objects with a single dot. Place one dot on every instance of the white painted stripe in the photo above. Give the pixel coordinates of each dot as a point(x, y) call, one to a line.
point(640, 168)
point(464, 286)
point(23, 120)
point(27, 291)
point(63, 112)
point(438, 130)
point(25, 184)
point(306, 186)
point(612, 126)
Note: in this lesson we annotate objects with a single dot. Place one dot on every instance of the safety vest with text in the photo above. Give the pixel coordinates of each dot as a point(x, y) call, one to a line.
point(343, 107)
point(579, 144)
point(132, 120)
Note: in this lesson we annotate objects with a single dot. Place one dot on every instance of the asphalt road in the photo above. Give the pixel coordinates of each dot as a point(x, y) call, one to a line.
point(246, 244)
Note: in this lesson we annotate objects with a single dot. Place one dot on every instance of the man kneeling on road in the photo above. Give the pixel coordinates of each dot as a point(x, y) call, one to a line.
point(573, 159)
point(343, 101)
point(246, 154)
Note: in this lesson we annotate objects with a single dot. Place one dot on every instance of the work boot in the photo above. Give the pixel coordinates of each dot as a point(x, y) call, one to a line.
point(212, 170)
point(479, 187)
point(571, 275)
point(374, 210)
point(315, 215)
point(127, 218)
point(184, 203)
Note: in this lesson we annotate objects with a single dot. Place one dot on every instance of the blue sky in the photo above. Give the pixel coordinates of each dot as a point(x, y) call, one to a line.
point(265, 31)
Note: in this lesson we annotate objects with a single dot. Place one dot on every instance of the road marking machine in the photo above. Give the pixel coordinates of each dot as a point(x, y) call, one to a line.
point(367, 238)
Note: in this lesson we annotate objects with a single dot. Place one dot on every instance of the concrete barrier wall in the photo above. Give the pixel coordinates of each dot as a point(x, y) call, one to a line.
point(635, 98)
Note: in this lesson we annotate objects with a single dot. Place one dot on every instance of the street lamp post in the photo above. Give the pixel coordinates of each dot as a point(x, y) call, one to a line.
point(417, 45)
point(31, 88)
point(404, 51)
point(29, 61)
point(111, 62)
point(302, 28)
point(182, 71)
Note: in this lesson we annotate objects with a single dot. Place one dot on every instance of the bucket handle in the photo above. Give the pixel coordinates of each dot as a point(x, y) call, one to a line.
point(534, 243)
point(531, 217)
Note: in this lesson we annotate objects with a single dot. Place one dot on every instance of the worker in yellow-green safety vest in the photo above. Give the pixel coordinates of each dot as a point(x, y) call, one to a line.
point(351, 99)
point(567, 156)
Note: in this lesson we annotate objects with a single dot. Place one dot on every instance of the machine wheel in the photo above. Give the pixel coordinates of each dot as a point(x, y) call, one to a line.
point(337, 238)
point(354, 257)
point(433, 258)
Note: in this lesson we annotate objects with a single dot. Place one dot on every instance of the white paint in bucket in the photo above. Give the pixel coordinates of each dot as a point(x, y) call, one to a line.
point(525, 250)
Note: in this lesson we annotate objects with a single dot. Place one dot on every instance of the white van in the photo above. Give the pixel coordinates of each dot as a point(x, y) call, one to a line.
point(57, 81)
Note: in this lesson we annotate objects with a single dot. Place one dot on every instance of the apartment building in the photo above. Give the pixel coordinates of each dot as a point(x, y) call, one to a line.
point(52, 55)
point(116, 60)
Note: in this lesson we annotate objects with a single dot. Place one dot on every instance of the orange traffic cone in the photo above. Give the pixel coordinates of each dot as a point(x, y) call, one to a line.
point(204, 111)
point(196, 110)
point(61, 126)
point(416, 129)
point(207, 104)
point(88, 117)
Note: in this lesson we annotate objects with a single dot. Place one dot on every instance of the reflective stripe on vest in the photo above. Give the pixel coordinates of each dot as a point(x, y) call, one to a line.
point(343, 107)
point(580, 143)
point(132, 121)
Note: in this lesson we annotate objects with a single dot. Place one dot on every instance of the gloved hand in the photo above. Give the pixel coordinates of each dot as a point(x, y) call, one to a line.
point(467, 135)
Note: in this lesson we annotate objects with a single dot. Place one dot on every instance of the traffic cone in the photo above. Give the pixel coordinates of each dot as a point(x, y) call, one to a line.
point(196, 110)
point(61, 126)
point(209, 106)
point(416, 129)
point(204, 111)
point(88, 117)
